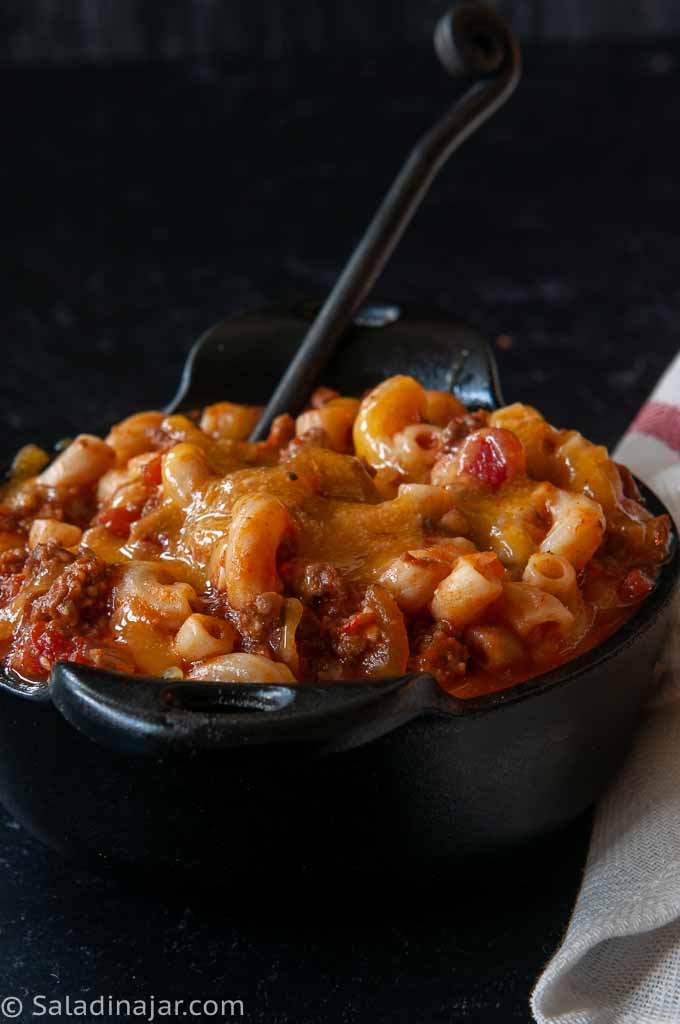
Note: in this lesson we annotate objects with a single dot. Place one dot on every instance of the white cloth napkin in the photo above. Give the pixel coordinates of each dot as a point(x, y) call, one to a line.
point(619, 962)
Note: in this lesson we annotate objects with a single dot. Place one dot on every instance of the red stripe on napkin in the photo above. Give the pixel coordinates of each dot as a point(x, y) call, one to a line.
point(661, 420)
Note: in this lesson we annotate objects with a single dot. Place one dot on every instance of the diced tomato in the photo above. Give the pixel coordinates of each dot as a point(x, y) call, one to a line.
point(489, 466)
point(635, 586)
point(118, 520)
point(39, 645)
point(24, 660)
point(493, 455)
point(51, 643)
point(151, 474)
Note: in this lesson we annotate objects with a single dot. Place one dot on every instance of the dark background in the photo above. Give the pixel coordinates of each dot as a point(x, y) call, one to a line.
point(106, 30)
point(142, 203)
point(141, 200)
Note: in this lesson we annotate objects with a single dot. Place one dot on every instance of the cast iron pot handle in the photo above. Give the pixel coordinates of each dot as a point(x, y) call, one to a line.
point(152, 716)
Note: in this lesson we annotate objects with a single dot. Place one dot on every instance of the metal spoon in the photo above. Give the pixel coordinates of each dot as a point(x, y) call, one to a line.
point(470, 40)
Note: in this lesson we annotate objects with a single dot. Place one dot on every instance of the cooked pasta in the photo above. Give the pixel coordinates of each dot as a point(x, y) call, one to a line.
point(555, 575)
point(366, 538)
point(204, 636)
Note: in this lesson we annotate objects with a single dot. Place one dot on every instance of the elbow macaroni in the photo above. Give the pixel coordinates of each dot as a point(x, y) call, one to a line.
point(527, 609)
point(555, 575)
point(577, 527)
point(471, 587)
point(204, 636)
point(82, 463)
point(364, 539)
point(247, 564)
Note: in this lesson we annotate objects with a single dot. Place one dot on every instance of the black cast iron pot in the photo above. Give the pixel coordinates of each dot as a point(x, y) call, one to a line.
point(225, 782)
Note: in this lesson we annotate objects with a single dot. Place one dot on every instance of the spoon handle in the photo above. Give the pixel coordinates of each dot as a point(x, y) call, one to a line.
point(473, 40)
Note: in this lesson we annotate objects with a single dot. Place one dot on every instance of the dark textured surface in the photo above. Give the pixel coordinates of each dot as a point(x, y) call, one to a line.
point(468, 953)
point(141, 205)
point(105, 30)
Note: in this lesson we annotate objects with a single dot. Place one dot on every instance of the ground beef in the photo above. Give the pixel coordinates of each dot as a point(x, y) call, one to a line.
point(258, 623)
point(337, 614)
point(459, 427)
point(437, 651)
point(321, 579)
point(330, 596)
point(351, 648)
point(324, 645)
point(337, 632)
point(79, 594)
point(12, 560)
point(68, 619)
point(46, 561)
point(320, 648)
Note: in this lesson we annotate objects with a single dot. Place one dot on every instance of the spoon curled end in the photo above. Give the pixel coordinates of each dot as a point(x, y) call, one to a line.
point(472, 39)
